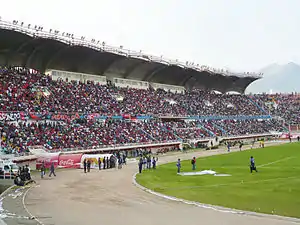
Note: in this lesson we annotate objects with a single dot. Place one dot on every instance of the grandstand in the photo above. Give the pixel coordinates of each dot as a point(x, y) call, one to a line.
point(61, 92)
point(33, 47)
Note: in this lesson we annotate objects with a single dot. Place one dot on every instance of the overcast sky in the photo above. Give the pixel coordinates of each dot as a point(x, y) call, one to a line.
point(241, 35)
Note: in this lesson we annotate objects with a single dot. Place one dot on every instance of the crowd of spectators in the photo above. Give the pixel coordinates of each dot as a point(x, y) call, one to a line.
point(22, 90)
point(142, 102)
point(18, 136)
point(286, 106)
point(187, 129)
point(246, 127)
point(204, 129)
point(201, 102)
point(213, 128)
point(16, 89)
point(157, 130)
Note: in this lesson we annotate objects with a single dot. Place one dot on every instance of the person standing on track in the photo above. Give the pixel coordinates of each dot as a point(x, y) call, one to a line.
point(119, 163)
point(144, 162)
point(104, 163)
point(107, 163)
point(43, 170)
point(253, 143)
point(241, 145)
point(52, 170)
point(99, 163)
point(262, 143)
point(148, 162)
point(140, 165)
point(27, 169)
point(89, 166)
point(124, 159)
point(84, 165)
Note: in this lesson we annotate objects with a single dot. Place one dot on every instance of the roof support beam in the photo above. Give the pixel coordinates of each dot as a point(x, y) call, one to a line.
point(148, 76)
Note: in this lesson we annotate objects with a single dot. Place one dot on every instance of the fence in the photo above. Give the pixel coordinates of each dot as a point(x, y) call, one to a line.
point(117, 147)
point(295, 127)
point(7, 175)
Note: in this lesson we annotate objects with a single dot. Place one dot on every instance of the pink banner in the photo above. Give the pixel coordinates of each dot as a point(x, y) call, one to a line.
point(293, 135)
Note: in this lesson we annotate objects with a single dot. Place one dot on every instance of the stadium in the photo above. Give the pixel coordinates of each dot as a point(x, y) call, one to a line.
point(66, 100)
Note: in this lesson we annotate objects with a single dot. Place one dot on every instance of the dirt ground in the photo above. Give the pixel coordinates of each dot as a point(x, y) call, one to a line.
point(109, 197)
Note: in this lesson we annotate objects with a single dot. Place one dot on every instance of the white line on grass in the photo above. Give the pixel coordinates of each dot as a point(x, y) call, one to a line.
point(229, 184)
point(239, 183)
point(277, 161)
point(213, 207)
point(263, 165)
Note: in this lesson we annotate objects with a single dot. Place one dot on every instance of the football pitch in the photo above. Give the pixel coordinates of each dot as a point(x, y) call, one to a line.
point(274, 189)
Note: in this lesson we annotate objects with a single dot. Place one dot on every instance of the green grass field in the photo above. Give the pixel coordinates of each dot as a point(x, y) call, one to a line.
point(274, 189)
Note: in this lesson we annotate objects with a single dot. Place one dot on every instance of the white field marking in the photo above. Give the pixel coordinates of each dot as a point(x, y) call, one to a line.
point(229, 184)
point(263, 165)
point(214, 207)
point(268, 167)
point(25, 207)
point(205, 206)
point(277, 161)
point(248, 182)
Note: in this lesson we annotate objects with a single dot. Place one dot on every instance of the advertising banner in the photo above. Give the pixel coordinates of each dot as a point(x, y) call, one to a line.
point(69, 161)
point(94, 159)
point(287, 136)
point(13, 116)
point(66, 116)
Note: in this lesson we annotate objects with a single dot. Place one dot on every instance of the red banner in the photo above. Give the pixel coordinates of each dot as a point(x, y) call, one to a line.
point(126, 116)
point(69, 161)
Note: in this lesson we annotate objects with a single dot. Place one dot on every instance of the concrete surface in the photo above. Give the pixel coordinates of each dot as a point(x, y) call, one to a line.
point(12, 208)
point(109, 197)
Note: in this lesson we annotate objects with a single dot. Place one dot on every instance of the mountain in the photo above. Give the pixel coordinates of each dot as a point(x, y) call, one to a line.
point(277, 78)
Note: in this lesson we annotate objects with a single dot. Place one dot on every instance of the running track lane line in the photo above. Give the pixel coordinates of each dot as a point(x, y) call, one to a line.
point(213, 207)
point(25, 207)
point(1, 198)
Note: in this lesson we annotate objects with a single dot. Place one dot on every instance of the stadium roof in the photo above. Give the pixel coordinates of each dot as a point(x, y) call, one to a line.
point(30, 46)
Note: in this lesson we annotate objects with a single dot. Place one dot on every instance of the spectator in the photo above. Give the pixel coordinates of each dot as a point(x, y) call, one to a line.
point(21, 90)
point(52, 170)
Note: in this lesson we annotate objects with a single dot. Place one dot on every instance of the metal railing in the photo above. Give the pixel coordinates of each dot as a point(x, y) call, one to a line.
point(229, 137)
point(116, 146)
point(135, 145)
point(7, 176)
point(70, 39)
point(19, 154)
